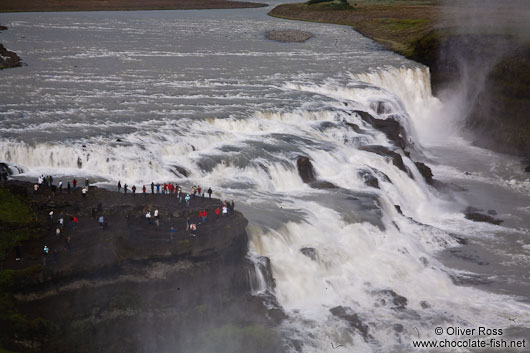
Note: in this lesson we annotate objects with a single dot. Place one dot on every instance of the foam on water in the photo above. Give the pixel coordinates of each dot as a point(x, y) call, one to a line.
point(242, 134)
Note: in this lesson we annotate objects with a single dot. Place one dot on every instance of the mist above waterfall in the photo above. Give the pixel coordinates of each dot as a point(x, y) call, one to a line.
point(475, 36)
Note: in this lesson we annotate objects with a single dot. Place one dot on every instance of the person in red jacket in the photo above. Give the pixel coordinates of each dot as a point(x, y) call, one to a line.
point(217, 210)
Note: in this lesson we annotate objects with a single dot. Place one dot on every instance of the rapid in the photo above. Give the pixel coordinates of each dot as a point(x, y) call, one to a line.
point(368, 256)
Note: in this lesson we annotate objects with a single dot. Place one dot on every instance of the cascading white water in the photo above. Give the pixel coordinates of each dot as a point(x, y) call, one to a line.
point(366, 254)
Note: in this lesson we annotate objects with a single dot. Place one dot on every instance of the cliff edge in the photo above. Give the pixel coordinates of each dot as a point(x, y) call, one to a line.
point(128, 286)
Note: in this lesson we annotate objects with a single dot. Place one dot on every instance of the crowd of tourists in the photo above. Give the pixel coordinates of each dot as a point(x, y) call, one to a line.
point(57, 222)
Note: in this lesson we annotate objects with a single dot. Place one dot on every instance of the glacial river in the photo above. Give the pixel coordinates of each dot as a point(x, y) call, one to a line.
point(130, 96)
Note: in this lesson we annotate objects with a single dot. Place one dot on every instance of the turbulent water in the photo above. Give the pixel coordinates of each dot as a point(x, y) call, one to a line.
point(132, 96)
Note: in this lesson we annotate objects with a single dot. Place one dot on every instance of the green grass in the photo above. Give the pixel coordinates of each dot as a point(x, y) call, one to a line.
point(394, 24)
point(18, 222)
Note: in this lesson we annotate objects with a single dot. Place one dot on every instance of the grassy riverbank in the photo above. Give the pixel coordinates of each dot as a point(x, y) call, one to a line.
point(118, 5)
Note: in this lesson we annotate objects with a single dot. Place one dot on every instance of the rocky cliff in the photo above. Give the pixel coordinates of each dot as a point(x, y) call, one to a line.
point(130, 286)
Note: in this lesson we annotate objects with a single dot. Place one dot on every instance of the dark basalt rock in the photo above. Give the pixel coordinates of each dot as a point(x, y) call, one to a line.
point(400, 302)
point(307, 173)
point(425, 171)
point(353, 319)
point(322, 184)
point(354, 127)
point(398, 208)
point(389, 126)
point(3, 28)
point(310, 252)
point(527, 169)
point(5, 172)
point(180, 171)
point(475, 216)
point(397, 160)
point(8, 58)
point(369, 179)
point(305, 169)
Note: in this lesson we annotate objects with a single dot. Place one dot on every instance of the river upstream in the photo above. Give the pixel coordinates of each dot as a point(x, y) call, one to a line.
point(130, 96)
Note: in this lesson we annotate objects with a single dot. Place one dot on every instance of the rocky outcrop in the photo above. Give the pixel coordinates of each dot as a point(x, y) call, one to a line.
point(305, 169)
point(8, 58)
point(478, 215)
point(425, 171)
point(396, 158)
point(307, 173)
point(166, 289)
point(389, 126)
point(353, 319)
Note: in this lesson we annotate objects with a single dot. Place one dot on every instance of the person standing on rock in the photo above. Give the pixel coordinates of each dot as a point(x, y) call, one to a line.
point(125, 189)
point(67, 244)
point(86, 183)
point(210, 193)
point(84, 191)
point(156, 215)
point(101, 221)
point(143, 190)
point(232, 207)
point(74, 184)
point(217, 213)
point(158, 188)
point(119, 186)
point(68, 187)
point(187, 224)
point(152, 187)
point(187, 199)
point(60, 185)
point(75, 223)
point(171, 233)
point(148, 217)
point(133, 190)
point(193, 229)
point(225, 209)
point(35, 188)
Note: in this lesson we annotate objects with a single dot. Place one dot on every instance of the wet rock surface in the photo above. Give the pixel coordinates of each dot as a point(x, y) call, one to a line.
point(396, 158)
point(475, 215)
point(305, 169)
point(389, 126)
point(425, 171)
point(288, 35)
point(353, 319)
point(399, 302)
point(8, 59)
point(310, 252)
